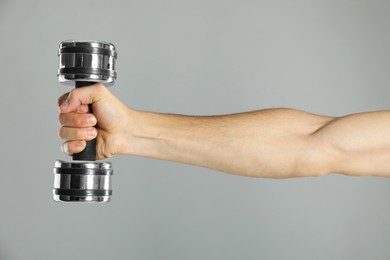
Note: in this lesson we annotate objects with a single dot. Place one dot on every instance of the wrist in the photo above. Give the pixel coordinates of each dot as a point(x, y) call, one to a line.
point(141, 133)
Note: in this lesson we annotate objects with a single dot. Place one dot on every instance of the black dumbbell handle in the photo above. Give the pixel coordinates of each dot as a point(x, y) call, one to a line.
point(89, 153)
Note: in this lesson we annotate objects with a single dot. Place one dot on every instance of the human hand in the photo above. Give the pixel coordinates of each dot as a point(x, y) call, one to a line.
point(109, 122)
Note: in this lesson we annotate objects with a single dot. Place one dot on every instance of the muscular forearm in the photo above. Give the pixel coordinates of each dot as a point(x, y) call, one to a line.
point(275, 143)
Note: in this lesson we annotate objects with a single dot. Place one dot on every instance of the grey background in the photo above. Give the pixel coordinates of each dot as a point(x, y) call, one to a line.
point(194, 57)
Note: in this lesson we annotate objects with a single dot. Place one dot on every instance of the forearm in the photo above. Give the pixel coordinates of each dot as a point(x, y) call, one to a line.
point(275, 143)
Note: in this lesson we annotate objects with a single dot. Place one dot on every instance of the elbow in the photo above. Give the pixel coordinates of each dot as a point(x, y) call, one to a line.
point(314, 161)
point(320, 158)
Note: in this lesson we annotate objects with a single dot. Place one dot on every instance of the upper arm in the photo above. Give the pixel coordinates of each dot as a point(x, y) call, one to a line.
point(357, 144)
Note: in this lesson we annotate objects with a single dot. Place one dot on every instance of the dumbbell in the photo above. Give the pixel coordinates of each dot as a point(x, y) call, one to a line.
point(83, 63)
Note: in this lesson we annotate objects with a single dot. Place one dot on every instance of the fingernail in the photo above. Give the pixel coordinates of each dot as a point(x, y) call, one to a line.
point(91, 132)
point(91, 120)
point(64, 147)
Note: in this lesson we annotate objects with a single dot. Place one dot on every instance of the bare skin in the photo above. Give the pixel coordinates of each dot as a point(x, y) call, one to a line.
point(272, 143)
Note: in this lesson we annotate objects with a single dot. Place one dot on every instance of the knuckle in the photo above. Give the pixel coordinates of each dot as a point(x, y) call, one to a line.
point(72, 95)
point(61, 119)
point(62, 98)
point(61, 132)
point(59, 101)
point(73, 92)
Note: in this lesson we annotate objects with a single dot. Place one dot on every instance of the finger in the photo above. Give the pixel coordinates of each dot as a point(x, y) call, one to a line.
point(82, 96)
point(79, 109)
point(72, 147)
point(74, 134)
point(77, 120)
point(62, 98)
point(82, 109)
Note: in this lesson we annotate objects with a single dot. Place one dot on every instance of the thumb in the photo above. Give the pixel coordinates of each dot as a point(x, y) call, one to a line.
point(82, 96)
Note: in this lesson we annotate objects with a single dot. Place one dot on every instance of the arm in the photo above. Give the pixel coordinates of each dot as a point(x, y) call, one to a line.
point(274, 143)
point(359, 144)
